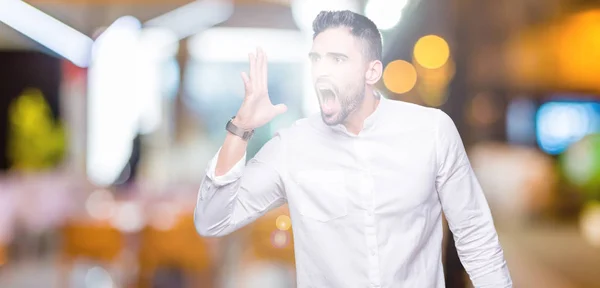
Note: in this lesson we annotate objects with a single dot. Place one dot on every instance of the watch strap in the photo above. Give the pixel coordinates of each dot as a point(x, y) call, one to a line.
point(240, 132)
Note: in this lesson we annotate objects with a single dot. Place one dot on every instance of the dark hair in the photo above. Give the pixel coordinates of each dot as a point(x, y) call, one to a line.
point(360, 26)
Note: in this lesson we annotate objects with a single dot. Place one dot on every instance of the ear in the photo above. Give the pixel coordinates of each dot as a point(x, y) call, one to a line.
point(374, 72)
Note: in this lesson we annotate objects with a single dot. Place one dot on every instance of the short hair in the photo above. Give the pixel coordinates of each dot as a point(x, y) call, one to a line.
point(360, 26)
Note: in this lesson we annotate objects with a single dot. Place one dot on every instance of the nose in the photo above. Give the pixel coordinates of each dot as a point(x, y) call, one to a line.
point(321, 70)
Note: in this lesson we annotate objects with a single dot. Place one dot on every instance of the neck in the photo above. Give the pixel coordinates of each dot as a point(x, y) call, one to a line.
point(355, 121)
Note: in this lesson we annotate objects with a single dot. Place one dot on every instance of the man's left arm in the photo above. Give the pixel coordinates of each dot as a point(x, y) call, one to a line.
point(467, 211)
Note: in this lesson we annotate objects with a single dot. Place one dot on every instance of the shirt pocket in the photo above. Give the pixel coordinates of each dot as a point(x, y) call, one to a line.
point(321, 194)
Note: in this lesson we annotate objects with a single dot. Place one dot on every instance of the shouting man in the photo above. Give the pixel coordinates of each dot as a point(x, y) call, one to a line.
point(366, 179)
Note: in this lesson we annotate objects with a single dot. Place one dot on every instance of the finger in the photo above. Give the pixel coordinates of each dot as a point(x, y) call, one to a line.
point(280, 109)
point(247, 84)
point(252, 60)
point(259, 64)
point(265, 72)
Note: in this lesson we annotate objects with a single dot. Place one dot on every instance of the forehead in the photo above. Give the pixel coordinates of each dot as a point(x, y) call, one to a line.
point(337, 40)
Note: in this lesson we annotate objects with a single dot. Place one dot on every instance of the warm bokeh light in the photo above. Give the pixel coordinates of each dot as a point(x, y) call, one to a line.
point(577, 50)
point(280, 239)
point(283, 222)
point(431, 51)
point(590, 223)
point(399, 76)
point(564, 55)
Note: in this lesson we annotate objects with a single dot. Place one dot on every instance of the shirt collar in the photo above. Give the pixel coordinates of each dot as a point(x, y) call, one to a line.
point(370, 121)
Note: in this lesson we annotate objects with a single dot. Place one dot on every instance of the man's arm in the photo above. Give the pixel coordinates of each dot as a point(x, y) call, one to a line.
point(467, 211)
point(233, 194)
point(245, 192)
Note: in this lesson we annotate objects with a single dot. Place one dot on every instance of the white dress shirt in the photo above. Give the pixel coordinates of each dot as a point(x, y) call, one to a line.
point(366, 209)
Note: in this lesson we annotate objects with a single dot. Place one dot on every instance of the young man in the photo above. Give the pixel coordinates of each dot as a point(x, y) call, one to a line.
point(366, 180)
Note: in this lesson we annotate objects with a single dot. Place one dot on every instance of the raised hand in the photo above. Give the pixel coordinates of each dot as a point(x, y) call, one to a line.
point(257, 109)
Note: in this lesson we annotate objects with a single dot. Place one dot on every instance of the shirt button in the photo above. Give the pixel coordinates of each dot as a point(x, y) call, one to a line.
point(372, 252)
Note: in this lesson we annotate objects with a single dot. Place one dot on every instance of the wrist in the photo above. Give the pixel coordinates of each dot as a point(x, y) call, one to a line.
point(237, 121)
point(239, 129)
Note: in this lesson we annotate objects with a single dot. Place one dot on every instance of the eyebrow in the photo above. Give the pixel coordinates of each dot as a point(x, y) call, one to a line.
point(334, 54)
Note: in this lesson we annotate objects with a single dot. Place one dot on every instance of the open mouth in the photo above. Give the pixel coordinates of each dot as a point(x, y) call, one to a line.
point(329, 103)
point(327, 95)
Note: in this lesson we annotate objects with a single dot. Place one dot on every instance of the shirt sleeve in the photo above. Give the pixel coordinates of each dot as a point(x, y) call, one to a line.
point(247, 191)
point(467, 211)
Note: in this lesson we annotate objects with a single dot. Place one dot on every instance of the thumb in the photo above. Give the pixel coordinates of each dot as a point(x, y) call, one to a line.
point(280, 109)
point(246, 81)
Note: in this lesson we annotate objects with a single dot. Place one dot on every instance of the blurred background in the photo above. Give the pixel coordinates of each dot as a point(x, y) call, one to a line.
point(110, 111)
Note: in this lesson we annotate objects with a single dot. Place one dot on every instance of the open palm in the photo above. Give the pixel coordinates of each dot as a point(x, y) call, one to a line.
point(257, 109)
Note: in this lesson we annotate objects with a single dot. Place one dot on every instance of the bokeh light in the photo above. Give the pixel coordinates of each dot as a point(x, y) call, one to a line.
point(399, 76)
point(431, 51)
point(560, 124)
point(283, 222)
point(280, 239)
point(100, 205)
point(581, 165)
point(590, 223)
point(386, 14)
point(128, 217)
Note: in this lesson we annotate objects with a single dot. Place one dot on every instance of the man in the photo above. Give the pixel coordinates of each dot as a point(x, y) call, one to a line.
point(366, 180)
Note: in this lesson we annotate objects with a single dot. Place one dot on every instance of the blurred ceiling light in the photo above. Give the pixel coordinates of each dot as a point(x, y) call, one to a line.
point(305, 11)
point(431, 51)
point(125, 93)
point(234, 44)
point(386, 14)
point(46, 30)
point(187, 20)
point(399, 76)
point(112, 105)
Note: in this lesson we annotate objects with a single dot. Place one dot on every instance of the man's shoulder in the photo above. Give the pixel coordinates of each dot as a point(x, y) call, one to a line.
point(412, 113)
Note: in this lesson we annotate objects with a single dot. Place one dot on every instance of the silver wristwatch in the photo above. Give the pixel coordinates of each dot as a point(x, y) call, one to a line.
point(235, 130)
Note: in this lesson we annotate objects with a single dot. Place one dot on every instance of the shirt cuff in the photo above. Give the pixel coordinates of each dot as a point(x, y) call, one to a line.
point(231, 176)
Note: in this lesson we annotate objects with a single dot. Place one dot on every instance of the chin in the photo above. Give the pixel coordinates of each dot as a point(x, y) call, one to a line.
point(332, 120)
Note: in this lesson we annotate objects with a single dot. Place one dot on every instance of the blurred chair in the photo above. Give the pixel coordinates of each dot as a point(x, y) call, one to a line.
point(96, 241)
point(177, 247)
